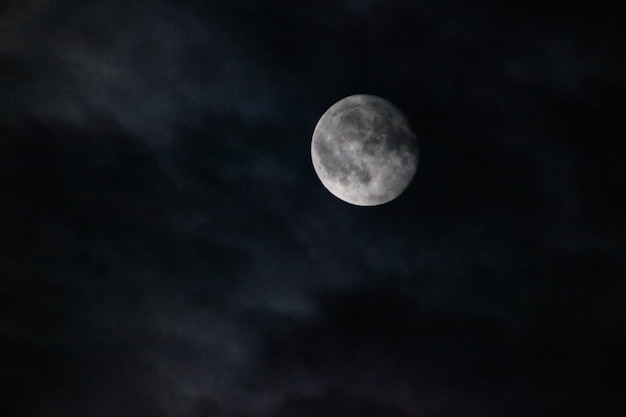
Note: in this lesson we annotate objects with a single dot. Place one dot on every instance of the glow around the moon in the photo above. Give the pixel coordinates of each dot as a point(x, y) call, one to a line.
point(364, 151)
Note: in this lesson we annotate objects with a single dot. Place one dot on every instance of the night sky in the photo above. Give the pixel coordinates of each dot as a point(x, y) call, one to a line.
point(167, 250)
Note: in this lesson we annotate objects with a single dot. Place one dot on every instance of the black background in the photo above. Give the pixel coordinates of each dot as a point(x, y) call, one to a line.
point(167, 250)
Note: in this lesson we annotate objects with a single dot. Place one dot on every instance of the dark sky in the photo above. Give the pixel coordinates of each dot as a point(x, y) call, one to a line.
point(166, 249)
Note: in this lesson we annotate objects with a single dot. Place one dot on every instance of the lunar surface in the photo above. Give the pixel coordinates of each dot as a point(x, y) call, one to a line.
point(364, 151)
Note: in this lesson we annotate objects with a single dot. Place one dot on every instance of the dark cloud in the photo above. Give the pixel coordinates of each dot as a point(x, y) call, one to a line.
point(150, 67)
point(167, 250)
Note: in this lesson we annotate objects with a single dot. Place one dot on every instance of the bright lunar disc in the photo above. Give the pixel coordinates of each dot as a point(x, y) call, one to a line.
point(364, 151)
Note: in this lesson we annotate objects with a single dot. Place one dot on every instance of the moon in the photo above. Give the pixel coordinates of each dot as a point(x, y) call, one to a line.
point(364, 151)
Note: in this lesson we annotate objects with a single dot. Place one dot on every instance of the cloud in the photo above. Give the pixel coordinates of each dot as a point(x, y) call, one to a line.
point(215, 275)
point(150, 68)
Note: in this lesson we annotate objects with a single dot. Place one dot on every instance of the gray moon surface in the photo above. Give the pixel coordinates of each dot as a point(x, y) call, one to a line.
point(364, 151)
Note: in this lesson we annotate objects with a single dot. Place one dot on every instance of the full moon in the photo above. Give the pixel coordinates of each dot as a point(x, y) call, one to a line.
point(364, 150)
